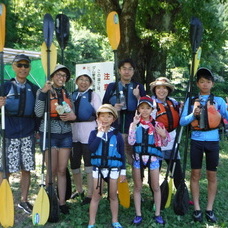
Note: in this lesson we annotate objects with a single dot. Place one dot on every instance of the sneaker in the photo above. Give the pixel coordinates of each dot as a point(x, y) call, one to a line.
point(198, 216)
point(137, 220)
point(91, 226)
point(77, 194)
point(116, 225)
point(159, 220)
point(87, 200)
point(64, 209)
point(26, 206)
point(210, 216)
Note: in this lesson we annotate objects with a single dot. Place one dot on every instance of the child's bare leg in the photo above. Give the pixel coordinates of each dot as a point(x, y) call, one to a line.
point(137, 191)
point(154, 175)
point(94, 202)
point(114, 203)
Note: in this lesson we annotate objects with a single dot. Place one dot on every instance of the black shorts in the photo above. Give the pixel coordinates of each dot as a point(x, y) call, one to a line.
point(80, 150)
point(211, 149)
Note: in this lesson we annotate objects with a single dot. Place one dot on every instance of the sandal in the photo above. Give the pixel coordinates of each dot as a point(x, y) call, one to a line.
point(116, 225)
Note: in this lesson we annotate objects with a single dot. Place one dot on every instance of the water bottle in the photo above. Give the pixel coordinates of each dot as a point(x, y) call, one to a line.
point(66, 107)
point(59, 109)
point(123, 100)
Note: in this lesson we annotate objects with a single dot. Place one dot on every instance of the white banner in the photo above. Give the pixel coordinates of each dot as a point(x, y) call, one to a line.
point(102, 75)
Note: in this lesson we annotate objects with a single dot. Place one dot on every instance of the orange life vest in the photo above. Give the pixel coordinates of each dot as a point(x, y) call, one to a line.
point(168, 114)
point(54, 99)
point(209, 118)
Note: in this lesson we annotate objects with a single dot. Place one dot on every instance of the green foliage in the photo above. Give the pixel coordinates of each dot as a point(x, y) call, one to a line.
point(161, 43)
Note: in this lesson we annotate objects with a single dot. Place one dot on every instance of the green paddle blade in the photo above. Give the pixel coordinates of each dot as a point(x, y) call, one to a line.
point(44, 56)
point(41, 208)
point(113, 29)
point(7, 205)
point(168, 202)
point(124, 194)
point(2, 26)
point(196, 60)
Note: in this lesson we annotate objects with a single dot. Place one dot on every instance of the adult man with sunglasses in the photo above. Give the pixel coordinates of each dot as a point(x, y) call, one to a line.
point(20, 126)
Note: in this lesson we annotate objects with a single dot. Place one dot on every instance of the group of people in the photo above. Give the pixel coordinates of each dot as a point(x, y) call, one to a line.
point(142, 128)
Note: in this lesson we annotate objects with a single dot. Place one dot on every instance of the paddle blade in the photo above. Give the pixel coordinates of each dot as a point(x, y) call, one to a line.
point(44, 56)
point(164, 193)
point(196, 60)
point(196, 32)
point(7, 205)
point(2, 26)
point(68, 185)
point(113, 29)
point(41, 208)
point(62, 27)
point(168, 202)
point(48, 29)
point(181, 200)
point(124, 193)
point(54, 204)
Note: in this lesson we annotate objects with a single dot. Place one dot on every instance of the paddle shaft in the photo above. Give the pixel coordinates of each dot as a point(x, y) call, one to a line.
point(62, 34)
point(3, 119)
point(2, 43)
point(113, 31)
point(196, 36)
point(6, 196)
point(48, 35)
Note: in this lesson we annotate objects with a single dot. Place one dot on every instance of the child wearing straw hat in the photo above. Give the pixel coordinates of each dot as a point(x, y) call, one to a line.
point(107, 157)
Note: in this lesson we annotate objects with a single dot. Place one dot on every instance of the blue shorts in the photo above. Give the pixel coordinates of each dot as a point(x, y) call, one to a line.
point(58, 140)
point(154, 162)
point(211, 149)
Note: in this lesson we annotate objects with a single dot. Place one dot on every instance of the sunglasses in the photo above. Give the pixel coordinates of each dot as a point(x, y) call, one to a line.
point(20, 65)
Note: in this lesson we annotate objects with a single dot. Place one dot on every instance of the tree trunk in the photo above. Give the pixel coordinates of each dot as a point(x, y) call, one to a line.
point(149, 57)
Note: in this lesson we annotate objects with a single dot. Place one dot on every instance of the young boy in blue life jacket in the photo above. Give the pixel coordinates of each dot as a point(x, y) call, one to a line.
point(205, 115)
point(147, 136)
point(107, 157)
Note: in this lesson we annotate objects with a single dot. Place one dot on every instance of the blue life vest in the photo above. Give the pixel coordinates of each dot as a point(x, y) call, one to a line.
point(83, 108)
point(145, 144)
point(20, 101)
point(131, 100)
point(107, 156)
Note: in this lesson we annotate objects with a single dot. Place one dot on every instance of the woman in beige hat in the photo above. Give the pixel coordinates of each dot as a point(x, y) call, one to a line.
point(167, 111)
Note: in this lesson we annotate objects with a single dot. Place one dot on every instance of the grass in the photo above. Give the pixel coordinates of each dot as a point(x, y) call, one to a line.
point(78, 217)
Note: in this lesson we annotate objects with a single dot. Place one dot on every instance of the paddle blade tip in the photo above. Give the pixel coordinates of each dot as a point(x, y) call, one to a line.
point(113, 29)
